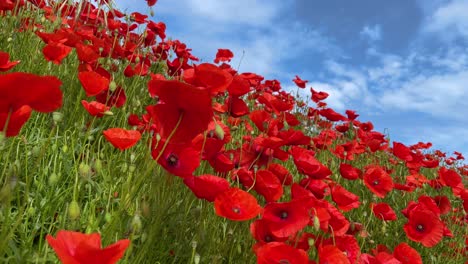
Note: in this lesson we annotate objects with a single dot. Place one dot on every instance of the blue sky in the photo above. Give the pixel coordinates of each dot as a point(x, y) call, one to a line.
point(402, 64)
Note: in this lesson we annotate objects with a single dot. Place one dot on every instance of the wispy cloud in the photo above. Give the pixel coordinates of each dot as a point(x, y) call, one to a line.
point(451, 19)
point(373, 33)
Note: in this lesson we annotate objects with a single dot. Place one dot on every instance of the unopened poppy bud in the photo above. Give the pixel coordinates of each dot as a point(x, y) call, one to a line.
point(194, 244)
point(112, 86)
point(9, 39)
point(98, 165)
point(65, 149)
point(311, 242)
point(132, 157)
point(108, 217)
point(108, 113)
point(219, 131)
point(151, 12)
point(316, 223)
point(57, 117)
point(136, 224)
point(158, 137)
point(53, 178)
point(73, 210)
point(196, 258)
point(137, 59)
point(131, 168)
point(31, 211)
point(36, 150)
point(84, 170)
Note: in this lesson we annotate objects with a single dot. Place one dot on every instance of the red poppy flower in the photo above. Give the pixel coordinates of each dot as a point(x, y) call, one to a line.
point(207, 186)
point(299, 82)
point(347, 244)
point(261, 231)
point(378, 181)
point(86, 53)
point(178, 159)
point(56, 52)
point(268, 185)
point(5, 63)
point(424, 227)
point(239, 86)
point(74, 247)
point(402, 152)
point(15, 119)
point(237, 205)
point(209, 76)
point(349, 172)
point(318, 96)
point(93, 83)
point(332, 254)
point(406, 254)
point(443, 203)
point(331, 115)
point(449, 177)
point(31, 92)
point(344, 199)
point(278, 252)
point(151, 2)
point(281, 173)
point(182, 107)
point(95, 108)
point(287, 218)
point(307, 164)
point(122, 138)
point(223, 55)
point(383, 211)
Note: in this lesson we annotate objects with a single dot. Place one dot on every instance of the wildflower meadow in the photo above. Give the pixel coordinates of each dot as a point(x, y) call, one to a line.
point(117, 145)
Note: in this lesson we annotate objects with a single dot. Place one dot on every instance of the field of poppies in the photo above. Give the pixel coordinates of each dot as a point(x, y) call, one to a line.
point(118, 145)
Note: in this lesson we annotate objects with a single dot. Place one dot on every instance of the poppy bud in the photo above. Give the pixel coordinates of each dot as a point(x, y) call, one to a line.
point(73, 210)
point(136, 224)
point(196, 258)
point(108, 113)
point(98, 165)
point(316, 223)
point(53, 178)
point(57, 117)
point(108, 217)
point(84, 170)
point(36, 150)
point(65, 149)
point(311, 242)
point(219, 131)
point(112, 86)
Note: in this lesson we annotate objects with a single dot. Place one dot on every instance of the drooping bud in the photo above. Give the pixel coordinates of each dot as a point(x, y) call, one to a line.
point(219, 131)
point(73, 210)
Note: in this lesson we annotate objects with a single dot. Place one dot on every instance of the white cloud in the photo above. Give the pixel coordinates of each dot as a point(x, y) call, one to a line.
point(443, 95)
point(255, 28)
point(374, 33)
point(450, 19)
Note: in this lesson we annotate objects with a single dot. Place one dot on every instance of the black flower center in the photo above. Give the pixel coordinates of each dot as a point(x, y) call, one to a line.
point(236, 210)
point(420, 228)
point(172, 160)
point(283, 215)
point(376, 182)
point(284, 261)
